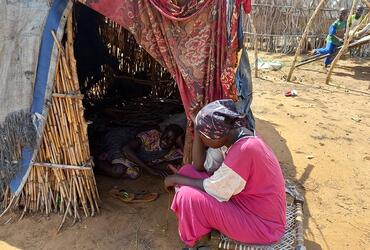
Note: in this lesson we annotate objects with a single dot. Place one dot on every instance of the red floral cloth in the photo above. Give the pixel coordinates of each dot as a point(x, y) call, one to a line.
point(189, 40)
point(151, 142)
point(180, 12)
point(247, 5)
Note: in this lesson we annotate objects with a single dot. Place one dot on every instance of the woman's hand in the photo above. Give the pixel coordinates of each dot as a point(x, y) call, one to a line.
point(177, 179)
point(158, 172)
point(169, 182)
point(172, 168)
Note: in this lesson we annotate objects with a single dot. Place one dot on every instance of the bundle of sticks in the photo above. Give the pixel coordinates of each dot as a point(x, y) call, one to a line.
point(61, 180)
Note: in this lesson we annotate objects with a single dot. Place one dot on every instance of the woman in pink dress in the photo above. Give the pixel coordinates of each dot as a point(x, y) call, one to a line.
point(244, 197)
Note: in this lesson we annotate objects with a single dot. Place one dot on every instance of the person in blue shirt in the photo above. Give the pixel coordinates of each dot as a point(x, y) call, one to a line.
point(334, 38)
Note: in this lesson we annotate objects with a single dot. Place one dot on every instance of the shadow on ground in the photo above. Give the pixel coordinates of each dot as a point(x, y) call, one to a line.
point(357, 72)
point(133, 226)
point(278, 144)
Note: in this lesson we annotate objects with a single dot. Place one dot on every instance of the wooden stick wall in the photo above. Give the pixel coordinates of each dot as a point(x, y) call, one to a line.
point(133, 62)
point(280, 24)
point(62, 180)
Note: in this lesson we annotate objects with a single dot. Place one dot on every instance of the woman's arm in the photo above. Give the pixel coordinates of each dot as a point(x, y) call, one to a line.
point(177, 179)
point(180, 143)
point(199, 149)
point(130, 150)
point(199, 152)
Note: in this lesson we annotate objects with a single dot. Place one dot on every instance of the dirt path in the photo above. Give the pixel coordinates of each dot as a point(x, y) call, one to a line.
point(329, 124)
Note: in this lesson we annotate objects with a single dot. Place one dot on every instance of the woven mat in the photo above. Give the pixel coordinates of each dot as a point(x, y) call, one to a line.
point(287, 241)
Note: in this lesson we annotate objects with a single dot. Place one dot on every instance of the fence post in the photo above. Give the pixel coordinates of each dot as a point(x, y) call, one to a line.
point(304, 36)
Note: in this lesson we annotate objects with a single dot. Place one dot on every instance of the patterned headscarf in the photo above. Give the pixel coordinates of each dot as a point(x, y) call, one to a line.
point(217, 118)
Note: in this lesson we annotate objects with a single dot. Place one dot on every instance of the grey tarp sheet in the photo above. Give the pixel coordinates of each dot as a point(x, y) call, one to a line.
point(21, 26)
point(28, 56)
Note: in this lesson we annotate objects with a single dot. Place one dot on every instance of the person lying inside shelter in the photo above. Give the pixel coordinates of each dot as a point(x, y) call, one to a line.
point(243, 197)
point(334, 38)
point(125, 155)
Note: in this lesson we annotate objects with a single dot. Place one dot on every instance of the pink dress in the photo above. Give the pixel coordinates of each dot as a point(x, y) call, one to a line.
point(255, 213)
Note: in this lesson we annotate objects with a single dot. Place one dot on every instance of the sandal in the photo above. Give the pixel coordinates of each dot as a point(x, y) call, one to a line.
point(127, 197)
point(121, 195)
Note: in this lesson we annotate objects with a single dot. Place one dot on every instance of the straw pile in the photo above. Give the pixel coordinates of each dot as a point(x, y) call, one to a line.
point(62, 180)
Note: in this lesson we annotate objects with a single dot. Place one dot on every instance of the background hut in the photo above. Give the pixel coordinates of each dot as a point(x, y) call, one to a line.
point(280, 25)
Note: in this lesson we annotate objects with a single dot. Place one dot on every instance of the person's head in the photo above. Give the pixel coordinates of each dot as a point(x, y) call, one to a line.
point(343, 14)
point(217, 122)
point(359, 11)
point(169, 136)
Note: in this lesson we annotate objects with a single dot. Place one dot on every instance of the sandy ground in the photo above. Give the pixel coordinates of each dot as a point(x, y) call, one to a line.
point(330, 124)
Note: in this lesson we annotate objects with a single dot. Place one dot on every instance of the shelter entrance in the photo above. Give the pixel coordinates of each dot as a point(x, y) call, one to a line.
point(125, 90)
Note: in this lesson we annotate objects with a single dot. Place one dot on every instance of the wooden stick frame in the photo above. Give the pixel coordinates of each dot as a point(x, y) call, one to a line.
point(342, 50)
point(303, 39)
point(347, 39)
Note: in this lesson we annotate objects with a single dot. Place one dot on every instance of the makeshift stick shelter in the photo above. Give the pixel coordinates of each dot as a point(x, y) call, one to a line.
point(45, 162)
point(342, 48)
point(347, 38)
point(280, 25)
point(196, 44)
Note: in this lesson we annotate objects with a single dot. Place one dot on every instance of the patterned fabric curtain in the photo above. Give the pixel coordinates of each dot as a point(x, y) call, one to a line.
point(189, 39)
point(176, 10)
point(193, 39)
